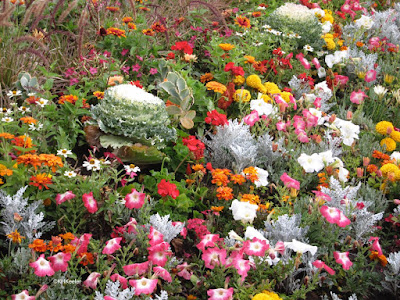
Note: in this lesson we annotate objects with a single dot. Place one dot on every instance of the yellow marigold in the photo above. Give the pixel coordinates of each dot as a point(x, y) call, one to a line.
point(216, 87)
point(388, 78)
point(395, 135)
point(330, 44)
point(15, 237)
point(389, 143)
point(286, 96)
point(242, 95)
point(254, 81)
point(224, 193)
point(266, 98)
point(267, 295)
point(253, 199)
point(239, 80)
point(389, 168)
point(226, 47)
point(251, 174)
point(327, 18)
point(271, 88)
point(384, 127)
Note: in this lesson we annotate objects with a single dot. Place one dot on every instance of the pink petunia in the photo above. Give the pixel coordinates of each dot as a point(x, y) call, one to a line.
point(134, 199)
point(208, 240)
point(214, 257)
point(91, 281)
point(375, 245)
point(343, 259)
point(155, 236)
point(61, 198)
point(343, 221)
point(220, 294)
point(24, 295)
point(242, 266)
point(331, 214)
point(357, 97)
point(82, 243)
point(255, 247)
point(144, 286)
point(370, 76)
point(163, 273)
point(158, 254)
point(136, 269)
point(112, 245)
point(289, 182)
point(251, 118)
point(322, 196)
point(122, 280)
point(184, 271)
point(321, 265)
point(89, 202)
point(59, 262)
point(42, 267)
point(316, 63)
point(303, 61)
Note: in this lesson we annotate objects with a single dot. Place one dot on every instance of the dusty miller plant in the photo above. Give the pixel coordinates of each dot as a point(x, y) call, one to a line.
point(164, 225)
point(392, 274)
point(286, 229)
point(112, 290)
point(31, 226)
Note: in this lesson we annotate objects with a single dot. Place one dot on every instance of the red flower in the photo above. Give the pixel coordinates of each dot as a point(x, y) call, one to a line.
point(215, 118)
point(183, 46)
point(195, 146)
point(235, 70)
point(166, 188)
point(171, 55)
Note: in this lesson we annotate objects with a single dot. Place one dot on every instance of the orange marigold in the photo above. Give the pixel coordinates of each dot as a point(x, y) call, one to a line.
point(6, 135)
point(224, 193)
point(226, 47)
point(54, 248)
point(132, 25)
point(112, 8)
point(99, 95)
point(38, 245)
point(381, 258)
point(28, 120)
point(30, 159)
point(238, 179)
point(256, 14)
point(116, 31)
point(72, 99)
point(41, 180)
point(199, 167)
point(206, 77)
point(250, 59)
point(69, 248)
point(251, 174)
point(216, 87)
point(220, 177)
point(23, 141)
point(67, 236)
point(379, 155)
point(51, 161)
point(372, 168)
point(4, 171)
point(242, 22)
point(253, 199)
point(86, 258)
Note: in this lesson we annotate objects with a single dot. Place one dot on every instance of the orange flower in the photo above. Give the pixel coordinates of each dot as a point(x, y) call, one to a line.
point(249, 59)
point(251, 174)
point(38, 245)
point(144, 8)
point(15, 237)
point(238, 179)
point(41, 180)
point(32, 99)
point(23, 141)
point(220, 176)
point(359, 44)
point(72, 99)
point(226, 47)
point(379, 155)
point(116, 31)
point(158, 27)
point(381, 258)
point(372, 168)
point(4, 171)
point(116, 79)
point(224, 193)
point(148, 32)
point(86, 258)
point(51, 161)
point(69, 248)
point(253, 199)
point(206, 77)
point(6, 135)
point(217, 209)
point(216, 87)
point(54, 248)
point(67, 236)
point(242, 22)
point(256, 14)
point(99, 95)
point(263, 207)
point(127, 20)
point(28, 120)
point(199, 167)
point(112, 8)
point(29, 159)
point(131, 26)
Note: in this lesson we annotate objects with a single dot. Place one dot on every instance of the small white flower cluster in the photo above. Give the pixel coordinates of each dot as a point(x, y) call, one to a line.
point(290, 35)
point(295, 12)
point(336, 58)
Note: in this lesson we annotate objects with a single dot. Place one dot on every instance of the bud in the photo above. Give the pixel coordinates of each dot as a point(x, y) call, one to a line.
point(347, 240)
point(42, 289)
point(366, 161)
point(17, 217)
point(378, 173)
point(349, 115)
point(360, 172)
point(306, 280)
point(332, 118)
point(396, 201)
point(274, 147)
point(329, 170)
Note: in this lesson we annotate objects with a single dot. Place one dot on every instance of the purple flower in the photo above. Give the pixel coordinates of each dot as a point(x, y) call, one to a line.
point(125, 69)
point(153, 71)
point(73, 81)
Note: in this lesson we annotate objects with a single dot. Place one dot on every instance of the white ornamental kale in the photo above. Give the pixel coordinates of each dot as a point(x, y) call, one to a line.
point(286, 229)
point(164, 225)
point(31, 225)
point(112, 289)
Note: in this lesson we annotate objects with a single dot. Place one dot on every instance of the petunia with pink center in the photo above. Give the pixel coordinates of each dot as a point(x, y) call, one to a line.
point(357, 97)
point(289, 182)
point(112, 245)
point(91, 281)
point(163, 273)
point(89, 202)
point(134, 199)
point(343, 259)
point(122, 280)
point(61, 198)
point(24, 295)
point(331, 214)
point(220, 294)
point(136, 269)
point(321, 265)
point(370, 76)
point(143, 286)
point(214, 257)
point(155, 236)
point(208, 240)
point(42, 267)
point(59, 262)
point(184, 271)
point(158, 254)
point(255, 247)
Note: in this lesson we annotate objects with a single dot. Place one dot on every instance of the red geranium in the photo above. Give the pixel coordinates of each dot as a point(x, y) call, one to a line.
point(166, 188)
point(195, 146)
point(215, 118)
point(183, 46)
point(235, 70)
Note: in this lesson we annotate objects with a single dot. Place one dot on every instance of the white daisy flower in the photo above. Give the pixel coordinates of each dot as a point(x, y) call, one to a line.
point(92, 164)
point(12, 94)
point(5, 110)
point(308, 48)
point(23, 109)
point(42, 102)
point(70, 174)
point(7, 119)
point(64, 152)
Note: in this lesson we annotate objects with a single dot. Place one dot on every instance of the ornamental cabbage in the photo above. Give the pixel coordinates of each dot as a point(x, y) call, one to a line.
point(129, 111)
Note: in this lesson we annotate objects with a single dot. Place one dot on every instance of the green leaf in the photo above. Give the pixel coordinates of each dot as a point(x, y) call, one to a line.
point(173, 110)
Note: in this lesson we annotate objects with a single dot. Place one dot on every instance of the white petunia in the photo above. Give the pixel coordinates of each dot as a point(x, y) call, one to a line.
point(262, 177)
point(380, 90)
point(343, 174)
point(251, 233)
point(301, 247)
point(243, 211)
point(326, 157)
point(395, 156)
point(311, 163)
point(233, 235)
point(364, 22)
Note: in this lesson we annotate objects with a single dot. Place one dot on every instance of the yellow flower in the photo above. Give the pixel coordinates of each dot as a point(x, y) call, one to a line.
point(384, 127)
point(239, 80)
point(266, 98)
point(389, 168)
point(395, 135)
point(15, 237)
point(242, 95)
point(271, 88)
point(267, 295)
point(216, 87)
point(226, 47)
point(361, 75)
point(253, 81)
point(328, 17)
point(330, 44)
point(388, 79)
point(389, 144)
point(286, 96)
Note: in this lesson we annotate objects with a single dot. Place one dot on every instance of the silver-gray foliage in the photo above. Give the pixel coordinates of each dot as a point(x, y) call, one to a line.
point(164, 225)
point(286, 229)
point(31, 226)
point(392, 274)
point(112, 289)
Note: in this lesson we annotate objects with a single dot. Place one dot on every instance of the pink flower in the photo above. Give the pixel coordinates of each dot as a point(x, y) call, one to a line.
point(235, 255)
point(370, 76)
point(220, 294)
point(242, 266)
point(136, 269)
point(82, 243)
point(322, 196)
point(208, 240)
point(183, 232)
point(251, 118)
point(112, 245)
point(317, 102)
point(375, 245)
point(24, 295)
point(91, 281)
point(290, 182)
point(109, 298)
point(316, 63)
point(184, 271)
point(89, 202)
point(164, 274)
point(342, 79)
point(124, 52)
point(321, 265)
point(122, 280)
point(93, 70)
point(213, 257)
point(331, 214)
point(343, 221)
point(255, 247)
point(134, 199)
point(155, 236)
point(303, 61)
point(302, 136)
point(61, 198)
point(59, 262)
point(42, 267)
point(144, 286)
point(343, 259)
point(279, 247)
point(281, 126)
point(357, 97)
point(136, 68)
point(125, 69)
point(158, 254)
point(153, 71)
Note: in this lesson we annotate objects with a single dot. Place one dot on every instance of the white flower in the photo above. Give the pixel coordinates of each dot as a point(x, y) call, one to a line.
point(64, 152)
point(365, 22)
point(69, 174)
point(319, 13)
point(34, 127)
point(301, 247)
point(321, 72)
point(308, 48)
point(326, 157)
point(326, 27)
point(258, 44)
point(7, 119)
point(233, 235)
point(266, 26)
point(11, 94)
point(243, 211)
point(131, 168)
point(261, 8)
point(251, 233)
point(92, 164)
point(380, 90)
point(311, 163)
point(295, 12)
point(262, 107)
point(348, 130)
point(23, 109)
point(343, 174)
point(396, 156)
point(262, 177)
point(5, 110)
point(42, 102)
point(128, 93)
